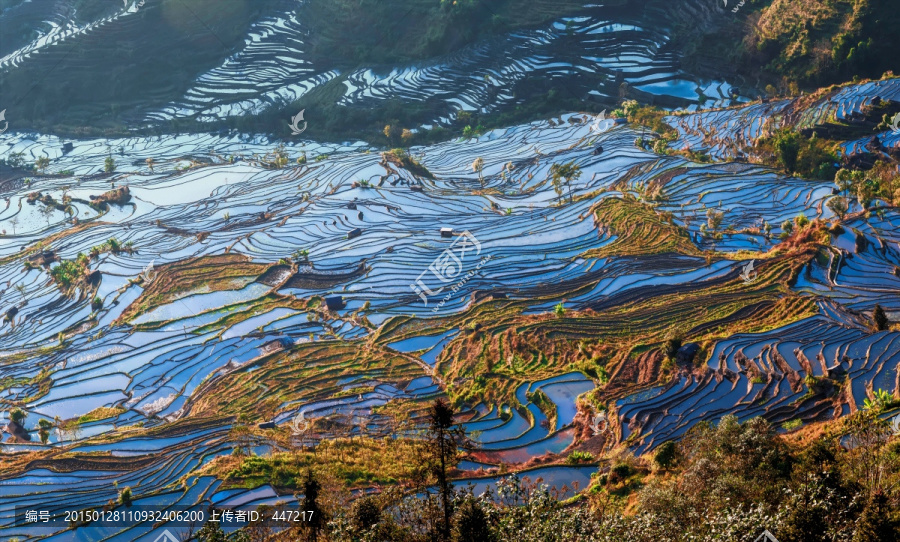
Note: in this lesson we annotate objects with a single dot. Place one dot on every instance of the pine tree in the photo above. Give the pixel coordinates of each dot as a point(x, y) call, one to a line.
point(310, 505)
point(442, 449)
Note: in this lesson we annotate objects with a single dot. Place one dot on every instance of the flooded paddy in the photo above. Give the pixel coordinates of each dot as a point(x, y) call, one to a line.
point(151, 364)
point(316, 300)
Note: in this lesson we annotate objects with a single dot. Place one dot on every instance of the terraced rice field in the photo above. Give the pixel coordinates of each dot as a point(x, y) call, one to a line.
point(588, 57)
point(231, 324)
point(725, 133)
point(221, 298)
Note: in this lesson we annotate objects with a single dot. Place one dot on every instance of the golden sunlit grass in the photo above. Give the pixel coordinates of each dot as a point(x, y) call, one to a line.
point(501, 348)
point(639, 230)
point(360, 461)
point(194, 275)
point(101, 413)
point(784, 16)
point(308, 372)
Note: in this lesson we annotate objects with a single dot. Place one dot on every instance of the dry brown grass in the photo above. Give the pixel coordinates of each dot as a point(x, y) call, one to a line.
point(206, 274)
point(625, 335)
point(639, 230)
point(306, 373)
point(358, 462)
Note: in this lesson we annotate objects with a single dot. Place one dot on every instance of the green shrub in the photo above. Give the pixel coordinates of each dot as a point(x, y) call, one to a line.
point(881, 400)
point(17, 415)
point(125, 496)
point(364, 514)
point(66, 273)
point(792, 424)
point(579, 457)
point(472, 523)
point(622, 470)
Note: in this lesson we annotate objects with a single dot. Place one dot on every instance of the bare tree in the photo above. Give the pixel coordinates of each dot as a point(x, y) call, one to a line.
point(47, 211)
point(838, 206)
point(714, 220)
point(478, 167)
point(42, 163)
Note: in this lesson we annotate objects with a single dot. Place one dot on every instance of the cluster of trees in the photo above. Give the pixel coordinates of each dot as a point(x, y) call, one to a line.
point(880, 182)
point(431, 513)
point(880, 321)
point(789, 226)
point(812, 158)
point(406, 161)
point(68, 272)
point(467, 124)
point(398, 31)
point(801, 44)
point(714, 220)
point(17, 160)
point(725, 481)
point(808, 157)
point(823, 491)
point(278, 158)
point(395, 135)
point(647, 115)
